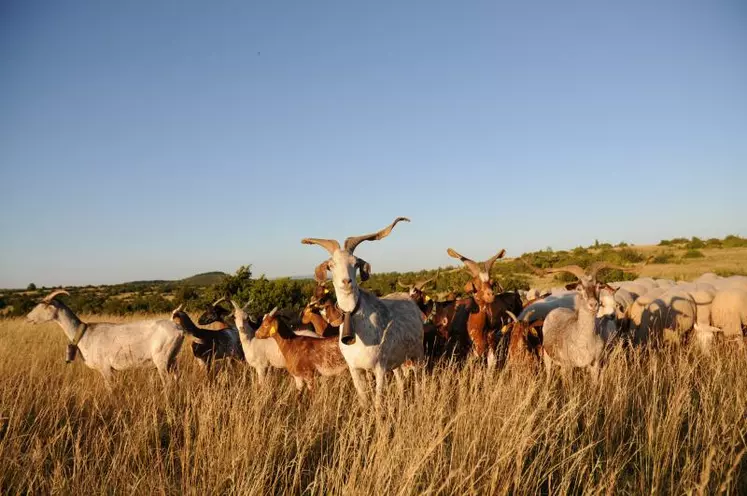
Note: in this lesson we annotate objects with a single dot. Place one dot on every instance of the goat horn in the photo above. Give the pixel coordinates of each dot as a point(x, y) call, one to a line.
point(489, 262)
point(470, 264)
point(571, 269)
point(421, 284)
point(53, 294)
point(354, 241)
point(235, 305)
point(400, 284)
point(215, 303)
point(178, 309)
point(330, 245)
point(599, 266)
point(511, 314)
point(272, 312)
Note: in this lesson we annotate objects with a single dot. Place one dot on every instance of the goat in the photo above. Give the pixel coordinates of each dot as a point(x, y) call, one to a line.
point(377, 334)
point(106, 347)
point(571, 338)
point(488, 313)
point(424, 302)
point(216, 313)
point(209, 345)
point(524, 341)
point(303, 355)
point(322, 313)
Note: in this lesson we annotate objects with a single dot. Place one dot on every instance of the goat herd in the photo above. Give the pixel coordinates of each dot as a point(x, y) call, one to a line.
point(352, 329)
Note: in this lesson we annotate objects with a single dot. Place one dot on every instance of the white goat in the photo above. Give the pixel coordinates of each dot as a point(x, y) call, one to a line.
point(573, 338)
point(107, 347)
point(377, 334)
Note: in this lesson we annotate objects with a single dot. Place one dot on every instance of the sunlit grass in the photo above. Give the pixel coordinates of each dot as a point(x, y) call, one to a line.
point(670, 422)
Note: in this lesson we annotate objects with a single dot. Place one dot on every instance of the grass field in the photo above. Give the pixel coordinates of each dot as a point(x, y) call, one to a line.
point(666, 422)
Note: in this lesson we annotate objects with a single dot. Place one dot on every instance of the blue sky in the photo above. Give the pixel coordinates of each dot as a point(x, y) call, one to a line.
point(145, 139)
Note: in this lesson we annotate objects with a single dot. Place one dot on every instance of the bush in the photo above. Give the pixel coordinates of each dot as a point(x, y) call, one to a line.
point(695, 244)
point(31, 287)
point(732, 241)
point(714, 243)
point(665, 242)
point(664, 258)
point(693, 254)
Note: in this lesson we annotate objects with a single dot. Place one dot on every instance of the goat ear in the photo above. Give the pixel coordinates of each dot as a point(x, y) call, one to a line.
point(364, 268)
point(470, 287)
point(320, 273)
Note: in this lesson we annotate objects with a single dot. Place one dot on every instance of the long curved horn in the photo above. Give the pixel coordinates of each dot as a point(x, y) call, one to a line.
point(51, 296)
point(511, 314)
point(354, 241)
point(470, 264)
point(402, 285)
point(246, 305)
point(215, 303)
point(235, 305)
point(599, 266)
point(488, 264)
point(178, 309)
point(571, 269)
point(273, 312)
point(331, 245)
point(421, 284)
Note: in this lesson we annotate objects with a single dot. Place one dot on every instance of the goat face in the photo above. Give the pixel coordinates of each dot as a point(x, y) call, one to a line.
point(43, 312)
point(481, 289)
point(268, 327)
point(343, 266)
point(213, 313)
point(588, 295)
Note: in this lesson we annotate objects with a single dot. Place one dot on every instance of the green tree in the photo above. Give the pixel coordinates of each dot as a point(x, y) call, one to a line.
point(31, 287)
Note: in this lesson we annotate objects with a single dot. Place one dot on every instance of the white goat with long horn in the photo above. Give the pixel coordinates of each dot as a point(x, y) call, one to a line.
point(377, 334)
point(107, 347)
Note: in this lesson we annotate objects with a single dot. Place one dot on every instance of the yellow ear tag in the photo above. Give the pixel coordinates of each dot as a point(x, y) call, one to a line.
point(533, 331)
point(273, 330)
point(504, 329)
point(427, 298)
point(326, 290)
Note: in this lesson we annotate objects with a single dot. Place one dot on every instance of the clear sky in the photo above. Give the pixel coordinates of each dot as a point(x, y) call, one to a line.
point(158, 139)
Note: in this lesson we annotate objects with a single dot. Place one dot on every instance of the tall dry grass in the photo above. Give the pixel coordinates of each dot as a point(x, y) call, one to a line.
point(669, 422)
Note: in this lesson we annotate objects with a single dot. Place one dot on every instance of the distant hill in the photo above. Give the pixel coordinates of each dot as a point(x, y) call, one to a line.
point(204, 279)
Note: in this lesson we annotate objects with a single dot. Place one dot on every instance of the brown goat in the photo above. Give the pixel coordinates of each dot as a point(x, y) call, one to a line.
point(304, 356)
point(524, 342)
point(323, 313)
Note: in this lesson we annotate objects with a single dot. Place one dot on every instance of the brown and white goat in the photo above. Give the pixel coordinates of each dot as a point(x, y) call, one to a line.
point(304, 356)
point(488, 311)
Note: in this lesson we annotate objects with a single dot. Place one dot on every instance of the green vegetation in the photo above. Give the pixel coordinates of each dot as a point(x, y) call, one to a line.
point(199, 290)
point(693, 254)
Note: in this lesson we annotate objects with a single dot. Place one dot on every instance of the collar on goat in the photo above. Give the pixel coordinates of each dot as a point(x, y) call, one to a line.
point(72, 348)
point(348, 336)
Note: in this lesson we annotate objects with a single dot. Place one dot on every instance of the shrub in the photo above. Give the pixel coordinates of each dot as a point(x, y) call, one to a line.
point(693, 254)
point(665, 242)
point(714, 243)
point(695, 244)
point(664, 258)
point(733, 241)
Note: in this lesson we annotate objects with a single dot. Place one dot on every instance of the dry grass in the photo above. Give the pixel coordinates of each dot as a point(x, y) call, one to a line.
point(668, 423)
